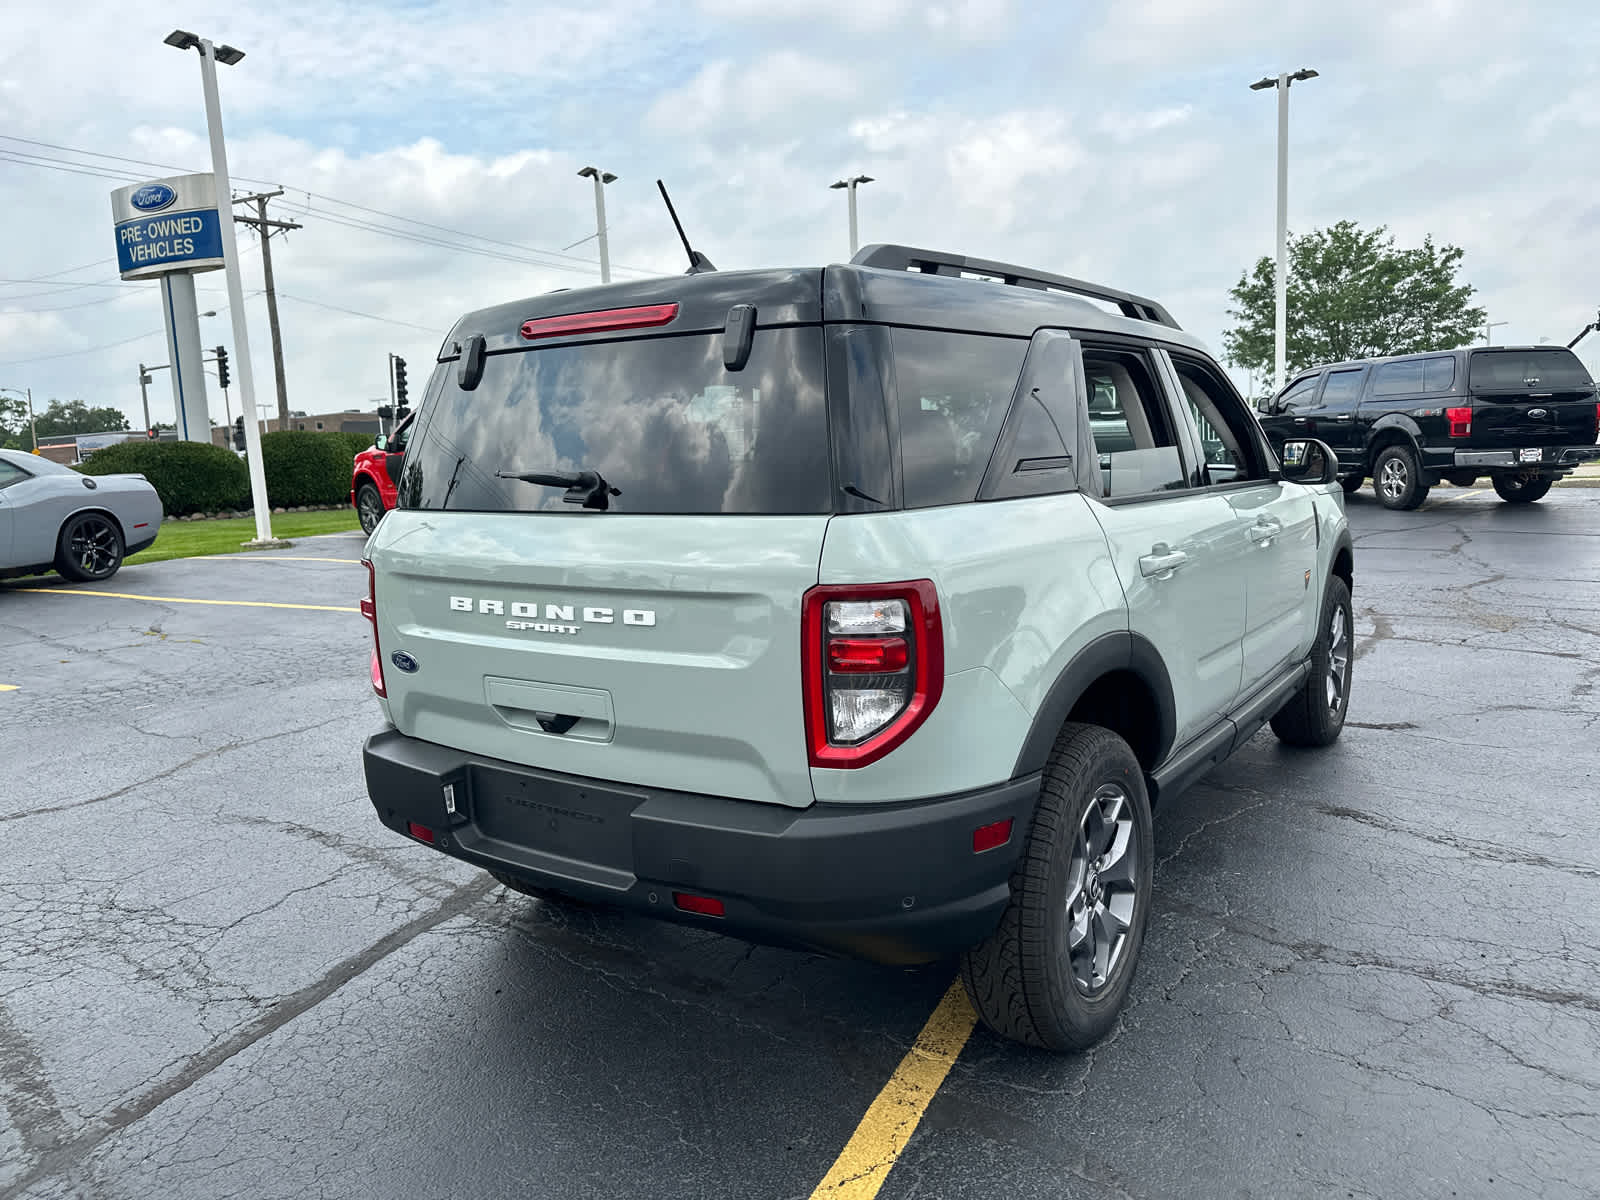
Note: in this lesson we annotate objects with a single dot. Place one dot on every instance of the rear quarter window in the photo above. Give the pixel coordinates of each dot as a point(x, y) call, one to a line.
point(952, 392)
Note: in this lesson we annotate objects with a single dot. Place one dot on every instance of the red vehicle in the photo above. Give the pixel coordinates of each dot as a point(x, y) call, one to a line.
point(376, 472)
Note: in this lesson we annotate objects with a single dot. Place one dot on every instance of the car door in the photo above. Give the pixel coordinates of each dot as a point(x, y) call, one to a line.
point(1275, 522)
point(1284, 413)
point(9, 474)
point(395, 456)
point(1178, 550)
point(1334, 418)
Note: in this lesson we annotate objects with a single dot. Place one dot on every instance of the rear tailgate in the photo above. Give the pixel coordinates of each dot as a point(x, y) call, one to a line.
point(1531, 398)
point(615, 647)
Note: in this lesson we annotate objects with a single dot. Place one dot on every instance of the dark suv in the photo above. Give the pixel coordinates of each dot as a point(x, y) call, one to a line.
point(1523, 415)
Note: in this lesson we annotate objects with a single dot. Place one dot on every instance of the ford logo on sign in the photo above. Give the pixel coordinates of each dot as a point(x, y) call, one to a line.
point(153, 197)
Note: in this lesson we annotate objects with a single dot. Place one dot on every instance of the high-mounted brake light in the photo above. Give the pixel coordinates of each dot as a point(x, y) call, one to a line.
point(873, 668)
point(1460, 421)
point(599, 322)
point(369, 610)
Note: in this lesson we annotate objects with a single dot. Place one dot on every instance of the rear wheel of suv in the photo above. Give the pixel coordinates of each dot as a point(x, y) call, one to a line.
point(1351, 484)
point(1397, 478)
point(1314, 716)
point(1055, 972)
point(1522, 489)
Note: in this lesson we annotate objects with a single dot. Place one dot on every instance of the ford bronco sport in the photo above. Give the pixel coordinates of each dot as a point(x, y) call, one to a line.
point(1522, 415)
point(865, 608)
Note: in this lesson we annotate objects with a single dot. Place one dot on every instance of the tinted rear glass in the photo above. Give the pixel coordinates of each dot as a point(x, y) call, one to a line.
point(660, 418)
point(1398, 379)
point(953, 391)
point(1526, 370)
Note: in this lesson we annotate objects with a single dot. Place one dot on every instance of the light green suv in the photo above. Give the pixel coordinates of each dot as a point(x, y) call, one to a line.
point(816, 606)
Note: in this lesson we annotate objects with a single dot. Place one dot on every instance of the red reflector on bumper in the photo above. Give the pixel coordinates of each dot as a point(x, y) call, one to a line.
point(704, 905)
point(421, 832)
point(987, 837)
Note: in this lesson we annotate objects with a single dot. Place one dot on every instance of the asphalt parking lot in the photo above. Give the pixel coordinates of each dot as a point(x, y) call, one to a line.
point(1371, 971)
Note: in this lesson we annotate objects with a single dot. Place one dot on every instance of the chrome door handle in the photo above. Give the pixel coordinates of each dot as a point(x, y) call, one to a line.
point(1264, 530)
point(1299, 420)
point(1161, 562)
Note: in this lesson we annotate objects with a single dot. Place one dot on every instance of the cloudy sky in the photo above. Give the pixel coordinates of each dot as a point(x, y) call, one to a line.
point(430, 150)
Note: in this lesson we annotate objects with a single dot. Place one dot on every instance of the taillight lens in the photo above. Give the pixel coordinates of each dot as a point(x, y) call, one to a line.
point(604, 321)
point(1460, 421)
point(874, 668)
point(369, 610)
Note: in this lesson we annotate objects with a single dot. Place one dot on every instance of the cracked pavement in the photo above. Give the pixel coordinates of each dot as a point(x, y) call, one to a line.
point(1370, 971)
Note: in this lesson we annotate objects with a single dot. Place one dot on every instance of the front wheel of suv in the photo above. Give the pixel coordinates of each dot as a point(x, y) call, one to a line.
point(1397, 478)
point(1056, 971)
point(1522, 489)
point(1314, 716)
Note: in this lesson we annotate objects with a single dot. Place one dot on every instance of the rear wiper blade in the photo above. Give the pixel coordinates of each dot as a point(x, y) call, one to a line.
point(587, 488)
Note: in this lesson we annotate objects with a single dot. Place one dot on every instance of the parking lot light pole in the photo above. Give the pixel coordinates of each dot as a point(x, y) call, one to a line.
point(33, 430)
point(227, 55)
point(1488, 331)
point(850, 185)
point(1280, 332)
point(601, 178)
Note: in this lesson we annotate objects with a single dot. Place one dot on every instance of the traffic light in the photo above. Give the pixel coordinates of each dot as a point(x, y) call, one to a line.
point(238, 433)
point(400, 380)
point(385, 412)
point(152, 433)
point(222, 367)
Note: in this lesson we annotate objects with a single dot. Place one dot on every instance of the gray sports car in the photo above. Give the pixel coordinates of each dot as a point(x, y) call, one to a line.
point(82, 525)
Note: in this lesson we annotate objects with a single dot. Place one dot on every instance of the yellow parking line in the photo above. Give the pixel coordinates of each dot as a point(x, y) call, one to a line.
point(1464, 495)
point(8, 687)
point(865, 1161)
point(245, 557)
point(187, 600)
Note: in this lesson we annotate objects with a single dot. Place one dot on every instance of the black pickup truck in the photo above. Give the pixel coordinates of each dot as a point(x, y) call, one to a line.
point(1522, 415)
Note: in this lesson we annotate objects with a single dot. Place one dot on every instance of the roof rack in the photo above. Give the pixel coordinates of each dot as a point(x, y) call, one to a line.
point(936, 262)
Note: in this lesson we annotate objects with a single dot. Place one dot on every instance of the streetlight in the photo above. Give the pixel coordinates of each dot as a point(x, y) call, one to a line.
point(601, 178)
point(1280, 335)
point(851, 185)
point(33, 430)
point(210, 56)
point(1488, 331)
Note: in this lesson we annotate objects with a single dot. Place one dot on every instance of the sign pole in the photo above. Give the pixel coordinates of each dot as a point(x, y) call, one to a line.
point(241, 331)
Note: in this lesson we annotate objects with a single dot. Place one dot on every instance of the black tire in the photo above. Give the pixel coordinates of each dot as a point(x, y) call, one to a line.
point(89, 548)
point(369, 507)
point(1024, 979)
point(1463, 480)
point(1314, 716)
point(1522, 489)
point(1397, 478)
point(1351, 484)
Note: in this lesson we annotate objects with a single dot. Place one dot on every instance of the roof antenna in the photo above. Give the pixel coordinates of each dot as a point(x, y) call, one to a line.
point(697, 262)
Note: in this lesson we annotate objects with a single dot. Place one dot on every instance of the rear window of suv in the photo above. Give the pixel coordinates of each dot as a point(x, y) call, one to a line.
point(1526, 370)
point(661, 419)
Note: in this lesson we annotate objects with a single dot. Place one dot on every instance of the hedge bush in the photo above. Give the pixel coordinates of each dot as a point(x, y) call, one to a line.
point(189, 477)
point(307, 468)
point(355, 443)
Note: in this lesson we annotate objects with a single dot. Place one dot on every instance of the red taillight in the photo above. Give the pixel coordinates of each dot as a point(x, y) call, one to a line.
point(706, 906)
point(369, 610)
point(421, 832)
point(987, 837)
point(600, 322)
point(873, 658)
point(1460, 421)
point(864, 656)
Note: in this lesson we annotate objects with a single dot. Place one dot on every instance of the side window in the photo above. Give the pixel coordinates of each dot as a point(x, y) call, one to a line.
point(1343, 388)
point(1300, 395)
point(953, 391)
point(1132, 435)
point(1438, 374)
point(11, 473)
point(397, 444)
point(1224, 422)
point(1401, 378)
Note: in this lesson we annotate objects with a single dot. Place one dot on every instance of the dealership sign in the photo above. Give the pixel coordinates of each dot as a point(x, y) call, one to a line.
point(167, 225)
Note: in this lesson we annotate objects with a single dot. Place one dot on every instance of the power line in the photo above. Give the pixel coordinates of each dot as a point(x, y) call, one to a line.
point(138, 337)
point(352, 312)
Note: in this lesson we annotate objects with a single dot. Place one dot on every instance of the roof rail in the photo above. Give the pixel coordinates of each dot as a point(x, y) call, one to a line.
point(937, 262)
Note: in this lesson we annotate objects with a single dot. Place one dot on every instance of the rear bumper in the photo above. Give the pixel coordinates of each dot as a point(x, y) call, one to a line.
point(892, 883)
point(1549, 457)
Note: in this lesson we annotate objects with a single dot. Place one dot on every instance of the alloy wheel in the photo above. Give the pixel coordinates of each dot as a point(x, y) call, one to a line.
point(1338, 659)
point(93, 546)
point(1102, 886)
point(1393, 478)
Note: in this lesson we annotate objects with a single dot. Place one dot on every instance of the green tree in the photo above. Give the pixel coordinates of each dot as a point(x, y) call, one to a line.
point(14, 423)
point(1353, 294)
point(78, 417)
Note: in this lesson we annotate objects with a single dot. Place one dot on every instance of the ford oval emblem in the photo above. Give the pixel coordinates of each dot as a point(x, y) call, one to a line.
point(404, 661)
point(153, 197)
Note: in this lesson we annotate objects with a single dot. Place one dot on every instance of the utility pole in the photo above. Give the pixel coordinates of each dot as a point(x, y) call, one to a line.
point(265, 227)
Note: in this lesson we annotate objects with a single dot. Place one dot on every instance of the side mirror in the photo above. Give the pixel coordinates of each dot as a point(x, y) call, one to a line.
point(1264, 406)
point(1309, 461)
point(381, 442)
